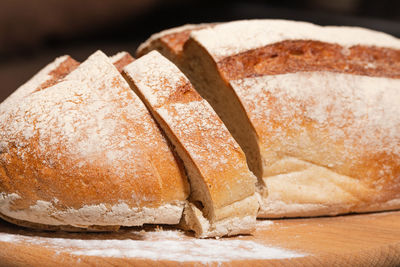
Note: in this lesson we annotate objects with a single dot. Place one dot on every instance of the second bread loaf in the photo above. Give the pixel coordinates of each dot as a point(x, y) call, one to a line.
point(314, 108)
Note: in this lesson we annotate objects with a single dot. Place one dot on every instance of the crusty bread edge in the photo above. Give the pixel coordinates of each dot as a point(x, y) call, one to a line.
point(66, 228)
point(44, 215)
point(143, 48)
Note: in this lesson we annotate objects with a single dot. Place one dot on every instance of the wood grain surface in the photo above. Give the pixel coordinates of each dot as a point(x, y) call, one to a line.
point(352, 240)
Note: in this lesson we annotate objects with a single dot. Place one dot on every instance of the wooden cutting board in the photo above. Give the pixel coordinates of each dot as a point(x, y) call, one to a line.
point(352, 240)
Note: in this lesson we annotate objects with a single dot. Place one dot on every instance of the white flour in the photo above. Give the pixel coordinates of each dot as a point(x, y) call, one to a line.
point(232, 38)
point(171, 245)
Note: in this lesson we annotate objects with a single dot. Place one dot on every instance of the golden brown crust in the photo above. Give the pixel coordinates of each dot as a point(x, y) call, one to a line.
point(175, 41)
point(172, 40)
point(49, 75)
point(123, 61)
point(305, 55)
point(299, 55)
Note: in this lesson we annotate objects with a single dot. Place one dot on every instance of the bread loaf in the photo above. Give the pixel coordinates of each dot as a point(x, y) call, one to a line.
point(222, 185)
point(86, 153)
point(314, 109)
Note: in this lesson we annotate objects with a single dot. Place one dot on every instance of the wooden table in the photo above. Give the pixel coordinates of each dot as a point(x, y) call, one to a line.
point(352, 240)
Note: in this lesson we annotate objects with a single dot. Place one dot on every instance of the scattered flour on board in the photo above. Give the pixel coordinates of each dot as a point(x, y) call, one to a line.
point(171, 245)
point(263, 223)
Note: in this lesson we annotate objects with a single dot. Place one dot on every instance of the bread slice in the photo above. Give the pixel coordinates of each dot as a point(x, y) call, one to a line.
point(343, 160)
point(223, 200)
point(170, 42)
point(85, 153)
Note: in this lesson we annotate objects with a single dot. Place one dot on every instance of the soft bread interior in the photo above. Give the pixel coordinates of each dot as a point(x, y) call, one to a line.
point(298, 188)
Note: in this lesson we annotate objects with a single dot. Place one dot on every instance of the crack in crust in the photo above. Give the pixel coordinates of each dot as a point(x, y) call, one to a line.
point(305, 55)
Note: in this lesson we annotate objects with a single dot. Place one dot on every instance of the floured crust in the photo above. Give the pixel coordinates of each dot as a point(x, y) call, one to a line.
point(232, 38)
point(354, 117)
point(78, 144)
point(205, 145)
point(328, 140)
point(223, 40)
point(46, 77)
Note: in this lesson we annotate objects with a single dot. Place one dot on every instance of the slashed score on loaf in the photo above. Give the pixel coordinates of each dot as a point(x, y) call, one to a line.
point(314, 108)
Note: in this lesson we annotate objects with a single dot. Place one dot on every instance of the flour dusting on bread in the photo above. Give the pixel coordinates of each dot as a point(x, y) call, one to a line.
point(235, 37)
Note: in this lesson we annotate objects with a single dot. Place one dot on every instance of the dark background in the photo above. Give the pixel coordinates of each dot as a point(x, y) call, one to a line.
point(34, 32)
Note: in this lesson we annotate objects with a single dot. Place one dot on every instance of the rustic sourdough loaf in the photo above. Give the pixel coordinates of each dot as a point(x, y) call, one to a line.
point(223, 200)
point(314, 109)
point(86, 153)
